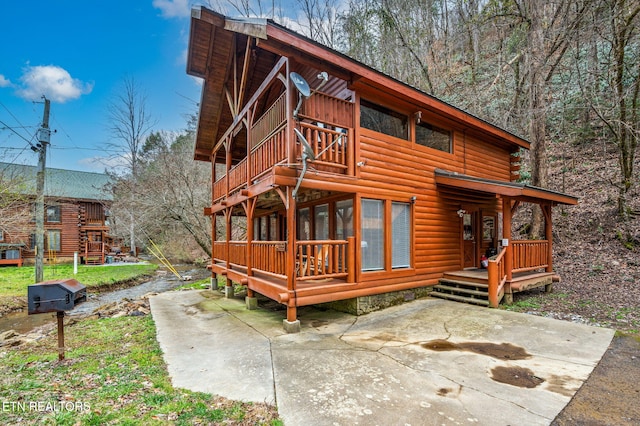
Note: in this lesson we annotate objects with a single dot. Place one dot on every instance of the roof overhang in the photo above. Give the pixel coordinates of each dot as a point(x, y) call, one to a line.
point(518, 191)
point(213, 38)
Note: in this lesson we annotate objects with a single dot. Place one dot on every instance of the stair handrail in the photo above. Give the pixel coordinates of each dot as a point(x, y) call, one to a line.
point(497, 277)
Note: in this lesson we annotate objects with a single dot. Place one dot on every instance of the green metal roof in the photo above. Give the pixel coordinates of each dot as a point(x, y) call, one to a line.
point(59, 183)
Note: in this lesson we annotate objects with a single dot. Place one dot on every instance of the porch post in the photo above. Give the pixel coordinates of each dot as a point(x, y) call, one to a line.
point(250, 300)
point(546, 209)
point(506, 234)
point(228, 289)
point(214, 222)
point(292, 323)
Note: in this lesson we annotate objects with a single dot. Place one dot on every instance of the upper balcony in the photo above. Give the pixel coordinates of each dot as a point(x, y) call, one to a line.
point(326, 121)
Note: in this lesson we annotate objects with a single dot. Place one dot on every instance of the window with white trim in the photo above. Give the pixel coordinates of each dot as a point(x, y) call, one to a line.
point(372, 235)
point(400, 235)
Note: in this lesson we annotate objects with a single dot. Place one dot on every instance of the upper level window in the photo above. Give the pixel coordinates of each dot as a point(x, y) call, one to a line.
point(53, 213)
point(381, 119)
point(433, 137)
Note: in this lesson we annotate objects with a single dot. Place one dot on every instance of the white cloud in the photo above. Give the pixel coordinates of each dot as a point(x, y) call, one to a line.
point(4, 82)
point(173, 8)
point(53, 82)
point(115, 164)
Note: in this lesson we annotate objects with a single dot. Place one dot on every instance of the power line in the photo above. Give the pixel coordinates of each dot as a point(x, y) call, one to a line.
point(7, 127)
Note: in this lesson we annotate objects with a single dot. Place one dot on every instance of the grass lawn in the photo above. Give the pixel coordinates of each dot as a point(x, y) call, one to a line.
point(113, 374)
point(14, 281)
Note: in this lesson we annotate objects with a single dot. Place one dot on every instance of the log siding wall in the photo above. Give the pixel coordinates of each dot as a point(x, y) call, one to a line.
point(409, 168)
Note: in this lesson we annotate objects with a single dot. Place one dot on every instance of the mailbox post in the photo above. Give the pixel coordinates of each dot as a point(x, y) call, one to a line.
point(56, 296)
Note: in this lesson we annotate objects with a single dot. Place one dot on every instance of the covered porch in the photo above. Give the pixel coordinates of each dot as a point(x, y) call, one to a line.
point(514, 265)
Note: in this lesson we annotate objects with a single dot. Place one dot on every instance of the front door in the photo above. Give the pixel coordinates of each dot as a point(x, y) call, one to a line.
point(469, 240)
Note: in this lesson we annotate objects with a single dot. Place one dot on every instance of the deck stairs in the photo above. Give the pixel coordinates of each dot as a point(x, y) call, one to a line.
point(461, 288)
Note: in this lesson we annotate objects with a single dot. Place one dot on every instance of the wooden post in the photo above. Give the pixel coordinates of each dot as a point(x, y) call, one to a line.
point(229, 284)
point(60, 316)
point(549, 236)
point(351, 259)
point(249, 208)
point(291, 254)
point(506, 234)
point(494, 278)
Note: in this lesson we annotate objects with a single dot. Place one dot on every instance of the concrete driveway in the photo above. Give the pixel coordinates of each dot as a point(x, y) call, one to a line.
point(425, 362)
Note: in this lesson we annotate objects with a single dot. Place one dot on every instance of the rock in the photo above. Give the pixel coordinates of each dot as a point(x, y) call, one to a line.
point(8, 335)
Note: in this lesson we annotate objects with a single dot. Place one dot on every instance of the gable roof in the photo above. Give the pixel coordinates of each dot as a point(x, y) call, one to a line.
point(215, 38)
point(60, 183)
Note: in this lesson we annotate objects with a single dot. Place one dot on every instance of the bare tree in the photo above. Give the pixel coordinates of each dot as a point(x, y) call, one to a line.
point(171, 190)
point(129, 124)
point(614, 90)
point(15, 207)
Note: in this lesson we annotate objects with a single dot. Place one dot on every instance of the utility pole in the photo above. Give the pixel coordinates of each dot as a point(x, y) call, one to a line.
point(44, 137)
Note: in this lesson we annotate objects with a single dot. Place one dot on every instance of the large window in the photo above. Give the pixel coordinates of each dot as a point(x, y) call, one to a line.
point(344, 219)
point(53, 214)
point(433, 137)
point(53, 240)
point(372, 235)
point(380, 119)
point(400, 235)
point(377, 217)
point(321, 219)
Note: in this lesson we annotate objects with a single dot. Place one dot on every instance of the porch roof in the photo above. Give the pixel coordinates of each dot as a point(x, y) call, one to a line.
point(518, 191)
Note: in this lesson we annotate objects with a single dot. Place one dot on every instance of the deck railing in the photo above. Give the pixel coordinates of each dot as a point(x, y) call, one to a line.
point(529, 255)
point(322, 259)
point(497, 276)
point(329, 146)
point(269, 152)
point(220, 188)
point(270, 257)
point(237, 252)
point(326, 122)
point(238, 176)
point(273, 119)
point(315, 259)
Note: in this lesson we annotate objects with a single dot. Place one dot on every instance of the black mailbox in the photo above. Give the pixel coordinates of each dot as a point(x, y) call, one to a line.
point(55, 296)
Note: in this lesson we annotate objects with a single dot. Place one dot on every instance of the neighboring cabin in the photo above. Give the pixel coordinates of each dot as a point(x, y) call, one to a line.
point(76, 216)
point(355, 184)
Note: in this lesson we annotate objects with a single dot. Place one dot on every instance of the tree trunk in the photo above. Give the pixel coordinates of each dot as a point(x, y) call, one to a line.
point(537, 110)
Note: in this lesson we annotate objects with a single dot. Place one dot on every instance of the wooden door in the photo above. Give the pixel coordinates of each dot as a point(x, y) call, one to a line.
point(469, 239)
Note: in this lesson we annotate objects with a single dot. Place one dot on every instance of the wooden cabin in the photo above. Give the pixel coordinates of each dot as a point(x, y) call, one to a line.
point(76, 217)
point(352, 183)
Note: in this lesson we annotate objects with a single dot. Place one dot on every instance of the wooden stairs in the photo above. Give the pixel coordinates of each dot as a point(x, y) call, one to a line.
point(472, 286)
point(467, 289)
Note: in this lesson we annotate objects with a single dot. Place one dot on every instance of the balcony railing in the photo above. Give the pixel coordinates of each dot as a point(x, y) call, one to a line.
point(529, 255)
point(327, 124)
point(329, 146)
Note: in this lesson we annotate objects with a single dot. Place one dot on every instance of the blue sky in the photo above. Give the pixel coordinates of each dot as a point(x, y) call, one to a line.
point(77, 53)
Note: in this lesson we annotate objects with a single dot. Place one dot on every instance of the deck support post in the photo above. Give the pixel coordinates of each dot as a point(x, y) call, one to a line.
point(506, 234)
point(251, 302)
point(546, 210)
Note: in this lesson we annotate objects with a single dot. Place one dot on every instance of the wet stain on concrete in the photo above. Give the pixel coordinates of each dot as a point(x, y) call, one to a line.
point(516, 376)
point(443, 391)
point(499, 351)
point(561, 385)
point(315, 323)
